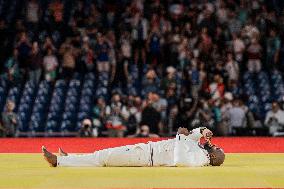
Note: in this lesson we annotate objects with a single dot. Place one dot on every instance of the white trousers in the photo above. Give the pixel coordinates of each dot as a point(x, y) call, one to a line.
point(138, 155)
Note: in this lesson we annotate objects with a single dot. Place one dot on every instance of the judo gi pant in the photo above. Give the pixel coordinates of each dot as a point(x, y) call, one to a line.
point(138, 155)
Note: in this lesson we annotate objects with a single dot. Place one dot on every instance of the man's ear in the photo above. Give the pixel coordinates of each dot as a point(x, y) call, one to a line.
point(212, 156)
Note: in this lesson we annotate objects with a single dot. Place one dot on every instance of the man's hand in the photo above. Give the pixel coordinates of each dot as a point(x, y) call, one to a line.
point(207, 134)
point(183, 130)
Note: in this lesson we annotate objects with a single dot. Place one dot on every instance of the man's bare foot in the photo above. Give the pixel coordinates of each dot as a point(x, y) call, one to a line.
point(61, 152)
point(49, 157)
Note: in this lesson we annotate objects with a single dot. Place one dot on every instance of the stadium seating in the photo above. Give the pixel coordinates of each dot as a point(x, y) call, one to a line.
point(42, 108)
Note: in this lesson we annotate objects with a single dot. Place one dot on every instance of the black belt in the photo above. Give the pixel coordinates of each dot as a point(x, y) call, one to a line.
point(151, 152)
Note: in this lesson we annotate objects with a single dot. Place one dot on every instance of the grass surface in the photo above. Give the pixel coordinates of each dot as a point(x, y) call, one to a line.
point(239, 170)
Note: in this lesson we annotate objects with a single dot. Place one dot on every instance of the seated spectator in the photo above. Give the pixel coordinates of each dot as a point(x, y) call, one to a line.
point(115, 118)
point(50, 64)
point(143, 132)
point(274, 119)
point(99, 112)
point(9, 120)
point(161, 105)
point(150, 83)
point(131, 114)
point(86, 129)
point(170, 79)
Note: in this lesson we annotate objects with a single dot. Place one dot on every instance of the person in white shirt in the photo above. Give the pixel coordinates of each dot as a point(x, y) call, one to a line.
point(237, 117)
point(183, 151)
point(274, 119)
point(232, 67)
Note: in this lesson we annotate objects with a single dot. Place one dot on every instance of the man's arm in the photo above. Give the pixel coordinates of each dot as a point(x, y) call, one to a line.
point(184, 156)
point(267, 118)
point(196, 134)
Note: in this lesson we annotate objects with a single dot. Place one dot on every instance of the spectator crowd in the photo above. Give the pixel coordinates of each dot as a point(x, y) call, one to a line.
point(189, 57)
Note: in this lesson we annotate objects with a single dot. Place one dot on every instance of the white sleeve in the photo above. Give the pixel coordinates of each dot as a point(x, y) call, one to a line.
point(268, 116)
point(195, 134)
point(184, 156)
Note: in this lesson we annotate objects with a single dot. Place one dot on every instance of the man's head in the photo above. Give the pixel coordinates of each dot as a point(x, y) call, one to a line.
point(217, 155)
point(10, 106)
point(275, 107)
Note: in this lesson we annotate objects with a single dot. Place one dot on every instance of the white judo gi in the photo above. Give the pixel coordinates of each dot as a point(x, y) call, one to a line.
point(182, 151)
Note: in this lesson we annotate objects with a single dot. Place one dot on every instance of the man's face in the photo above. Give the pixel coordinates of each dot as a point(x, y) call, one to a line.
point(275, 107)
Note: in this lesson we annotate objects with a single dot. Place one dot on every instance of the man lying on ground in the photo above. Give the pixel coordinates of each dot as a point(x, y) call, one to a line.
point(183, 151)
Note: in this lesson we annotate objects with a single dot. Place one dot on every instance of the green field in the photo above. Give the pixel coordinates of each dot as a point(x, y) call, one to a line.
point(239, 170)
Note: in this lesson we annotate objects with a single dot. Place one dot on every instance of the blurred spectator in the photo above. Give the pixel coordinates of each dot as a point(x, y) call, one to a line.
point(2, 130)
point(9, 120)
point(150, 83)
point(216, 88)
point(50, 64)
point(194, 79)
point(35, 64)
point(238, 47)
point(203, 115)
point(69, 62)
point(232, 67)
point(170, 80)
point(48, 44)
point(102, 51)
point(99, 112)
point(11, 67)
point(150, 115)
point(115, 117)
point(154, 46)
point(120, 74)
point(143, 132)
point(226, 105)
point(237, 118)
point(5, 40)
point(139, 36)
point(131, 114)
point(88, 57)
point(272, 48)
point(274, 119)
point(86, 129)
point(32, 13)
point(254, 51)
point(24, 48)
point(56, 9)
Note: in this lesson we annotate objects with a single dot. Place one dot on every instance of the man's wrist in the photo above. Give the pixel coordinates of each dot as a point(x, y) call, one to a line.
point(202, 129)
